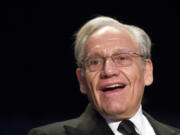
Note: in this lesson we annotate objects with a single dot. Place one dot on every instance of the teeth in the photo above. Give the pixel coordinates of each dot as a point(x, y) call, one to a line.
point(114, 85)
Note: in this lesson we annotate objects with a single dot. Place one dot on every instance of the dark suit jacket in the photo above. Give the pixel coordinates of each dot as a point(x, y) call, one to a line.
point(91, 123)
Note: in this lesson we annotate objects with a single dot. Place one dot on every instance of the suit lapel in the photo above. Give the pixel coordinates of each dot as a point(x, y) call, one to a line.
point(97, 131)
point(90, 123)
point(75, 131)
point(159, 128)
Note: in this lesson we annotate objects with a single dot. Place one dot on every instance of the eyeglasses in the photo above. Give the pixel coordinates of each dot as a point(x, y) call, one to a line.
point(123, 59)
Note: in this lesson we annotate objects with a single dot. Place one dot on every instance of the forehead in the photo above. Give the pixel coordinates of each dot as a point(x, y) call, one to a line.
point(109, 39)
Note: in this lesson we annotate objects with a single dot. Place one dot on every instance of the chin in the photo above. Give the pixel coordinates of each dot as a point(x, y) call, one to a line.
point(114, 110)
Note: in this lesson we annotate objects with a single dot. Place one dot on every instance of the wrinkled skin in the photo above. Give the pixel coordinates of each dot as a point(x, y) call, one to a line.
point(121, 103)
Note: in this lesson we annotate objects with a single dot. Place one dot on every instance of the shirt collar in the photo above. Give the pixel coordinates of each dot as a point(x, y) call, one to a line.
point(137, 120)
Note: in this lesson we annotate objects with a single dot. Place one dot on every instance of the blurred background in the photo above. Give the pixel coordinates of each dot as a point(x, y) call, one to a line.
point(39, 85)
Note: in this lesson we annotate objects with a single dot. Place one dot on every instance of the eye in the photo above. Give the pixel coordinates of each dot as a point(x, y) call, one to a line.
point(94, 61)
point(121, 57)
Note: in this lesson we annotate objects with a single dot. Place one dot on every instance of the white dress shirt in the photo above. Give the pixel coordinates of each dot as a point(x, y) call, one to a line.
point(142, 125)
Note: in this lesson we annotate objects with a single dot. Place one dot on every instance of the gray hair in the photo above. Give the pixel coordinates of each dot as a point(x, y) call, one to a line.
point(93, 25)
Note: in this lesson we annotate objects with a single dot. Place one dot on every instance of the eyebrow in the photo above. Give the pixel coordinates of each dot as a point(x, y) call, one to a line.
point(93, 55)
point(114, 52)
point(120, 51)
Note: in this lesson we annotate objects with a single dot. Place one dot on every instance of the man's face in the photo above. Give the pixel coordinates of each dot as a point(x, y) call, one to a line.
point(121, 102)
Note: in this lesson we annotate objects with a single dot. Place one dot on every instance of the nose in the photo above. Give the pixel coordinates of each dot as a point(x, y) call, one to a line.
point(109, 69)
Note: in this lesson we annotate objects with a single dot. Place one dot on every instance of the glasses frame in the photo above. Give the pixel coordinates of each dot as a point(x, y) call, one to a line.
point(132, 54)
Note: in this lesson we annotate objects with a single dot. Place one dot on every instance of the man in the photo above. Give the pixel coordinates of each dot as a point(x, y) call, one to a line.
point(114, 66)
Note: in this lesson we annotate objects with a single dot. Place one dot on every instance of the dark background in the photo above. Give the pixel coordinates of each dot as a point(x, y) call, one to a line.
point(38, 82)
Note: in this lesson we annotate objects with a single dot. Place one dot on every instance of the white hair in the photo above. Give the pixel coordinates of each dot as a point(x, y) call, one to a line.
point(93, 25)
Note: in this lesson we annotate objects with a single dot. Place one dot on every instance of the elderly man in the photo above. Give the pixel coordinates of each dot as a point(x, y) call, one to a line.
point(114, 66)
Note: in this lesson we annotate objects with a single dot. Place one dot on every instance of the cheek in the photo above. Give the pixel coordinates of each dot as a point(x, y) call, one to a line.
point(135, 77)
point(92, 79)
point(135, 92)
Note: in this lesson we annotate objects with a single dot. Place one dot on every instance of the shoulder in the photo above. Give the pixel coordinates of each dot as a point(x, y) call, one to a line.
point(54, 128)
point(87, 120)
point(161, 128)
point(169, 128)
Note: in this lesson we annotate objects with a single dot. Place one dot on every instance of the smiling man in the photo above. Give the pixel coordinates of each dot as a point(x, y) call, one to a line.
point(114, 66)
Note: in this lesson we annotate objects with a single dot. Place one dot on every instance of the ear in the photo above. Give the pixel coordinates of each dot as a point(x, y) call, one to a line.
point(81, 80)
point(148, 76)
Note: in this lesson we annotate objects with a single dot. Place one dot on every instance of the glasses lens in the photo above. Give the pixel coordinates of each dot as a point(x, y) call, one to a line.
point(94, 63)
point(122, 60)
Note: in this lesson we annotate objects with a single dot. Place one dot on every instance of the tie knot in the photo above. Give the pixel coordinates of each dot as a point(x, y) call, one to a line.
point(127, 128)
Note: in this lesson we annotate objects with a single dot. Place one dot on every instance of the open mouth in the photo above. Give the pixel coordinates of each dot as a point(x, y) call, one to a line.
point(114, 87)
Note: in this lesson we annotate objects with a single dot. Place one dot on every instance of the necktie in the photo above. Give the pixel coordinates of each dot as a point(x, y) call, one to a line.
point(127, 128)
